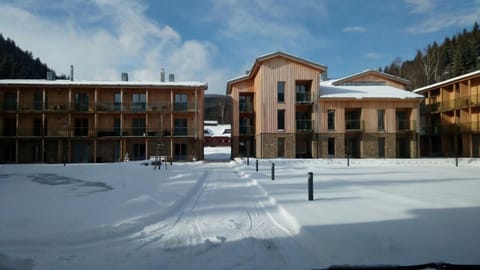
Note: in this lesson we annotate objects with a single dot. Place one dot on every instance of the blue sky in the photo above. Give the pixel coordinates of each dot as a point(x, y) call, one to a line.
point(216, 40)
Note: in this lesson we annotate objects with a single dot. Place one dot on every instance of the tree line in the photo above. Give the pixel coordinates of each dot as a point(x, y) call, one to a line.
point(456, 56)
point(16, 63)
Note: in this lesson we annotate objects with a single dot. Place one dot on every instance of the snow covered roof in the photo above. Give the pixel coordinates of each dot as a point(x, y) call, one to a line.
point(328, 90)
point(102, 83)
point(375, 72)
point(435, 85)
point(218, 130)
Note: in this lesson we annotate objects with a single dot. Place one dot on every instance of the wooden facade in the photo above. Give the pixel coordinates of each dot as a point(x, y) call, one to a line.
point(450, 117)
point(297, 123)
point(63, 121)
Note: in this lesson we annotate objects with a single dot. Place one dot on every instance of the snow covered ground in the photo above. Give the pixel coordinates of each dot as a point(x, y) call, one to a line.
point(229, 216)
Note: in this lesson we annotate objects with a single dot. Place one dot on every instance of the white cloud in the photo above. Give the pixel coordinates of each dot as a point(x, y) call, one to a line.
point(103, 38)
point(356, 29)
point(373, 55)
point(420, 6)
point(436, 18)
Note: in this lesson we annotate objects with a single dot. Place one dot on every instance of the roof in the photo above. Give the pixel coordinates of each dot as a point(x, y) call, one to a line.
point(442, 83)
point(329, 90)
point(371, 71)
point(260, 59)
point(217, 131)
point(102, 83)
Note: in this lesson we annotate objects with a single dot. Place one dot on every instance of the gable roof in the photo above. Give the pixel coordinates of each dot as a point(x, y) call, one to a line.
point(374, 72)
point(442, 83)
point(328, 90)
point(259, 60)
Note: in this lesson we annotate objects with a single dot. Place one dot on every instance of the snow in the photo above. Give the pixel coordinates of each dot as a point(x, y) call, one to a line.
point(328, 90)
point(226, 215)
point(217, 153)
point(103, 83)
point(458, 78)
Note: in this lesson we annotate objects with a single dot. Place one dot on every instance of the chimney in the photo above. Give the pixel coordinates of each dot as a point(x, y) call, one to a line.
point(171, 77)
point(50, 76)
point(162, 75)
point(125, 76)
point(71, 73)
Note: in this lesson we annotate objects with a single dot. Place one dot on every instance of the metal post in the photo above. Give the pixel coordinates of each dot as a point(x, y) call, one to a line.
point(273, 171)
point(310, 186)
point(171, 161)
point(348, 160)
point(248, 161)
point(456, 160)
point(256, 165)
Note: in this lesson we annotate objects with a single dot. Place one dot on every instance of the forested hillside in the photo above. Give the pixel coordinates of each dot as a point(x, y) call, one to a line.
point(18, 64)
point(456, 55)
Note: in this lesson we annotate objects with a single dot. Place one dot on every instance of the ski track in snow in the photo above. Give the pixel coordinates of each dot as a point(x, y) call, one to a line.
point(228, 222)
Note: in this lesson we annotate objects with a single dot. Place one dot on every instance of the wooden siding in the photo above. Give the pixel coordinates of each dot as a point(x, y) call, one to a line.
point(377, 78)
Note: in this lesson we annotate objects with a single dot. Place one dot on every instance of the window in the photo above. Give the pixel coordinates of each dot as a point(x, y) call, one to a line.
point(37, 127)
point(37, 101)
point(116, 126)
point(138, 126)
point(381, 120)
point(331, 147)
point(181, 102)
point(281, 119)
point(331, 119)
point(280, 91)
point(81, 127)
point(381, 147)
point(138, 102)
point(180, 127)
point(10, 102)
point(9, 127)
point(303, 121)
point(117, 101)
point(402, 122)
point(81, 102)
point(281, 147)
point(352, 119)
point(302, 91)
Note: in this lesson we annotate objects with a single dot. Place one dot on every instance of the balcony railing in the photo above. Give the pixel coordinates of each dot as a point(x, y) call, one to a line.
point(246, 130)
point(184, 106)
point(108, 106)
point(303, 125)
point(134, 107)
point(303, 98)
point(97, 132)
point(354, 125)
point(246, 107)
point(31, 107)
point(406, 125)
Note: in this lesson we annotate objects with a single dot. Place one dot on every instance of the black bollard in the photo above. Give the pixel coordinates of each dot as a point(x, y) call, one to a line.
point(256, 165)
point(171, 161)
point(273, 171)
point(248, 161)
point(310, 186)
point(456, 161)
point(348, 160)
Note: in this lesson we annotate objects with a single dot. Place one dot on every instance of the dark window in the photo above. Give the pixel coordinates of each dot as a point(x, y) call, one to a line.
point(81, 127)
point(10, 102)
point(331, 146)
point(138, 102)
point(180, 151)
point(181, 102)
point(303, 121)
point(37, 127)
point(180, 127)
point(37, 101)
point(116, 126)
point(302, 91)
point(331, 119)
point(381, 120)
point(352, 120)
point(9, 127)
point(138, 151)
point(138, 126)
point(117, 101)
point(280, 91)
point(402, 122)
point(381, 147)
point(81, 102)
point(281, 147)
point(281, 119)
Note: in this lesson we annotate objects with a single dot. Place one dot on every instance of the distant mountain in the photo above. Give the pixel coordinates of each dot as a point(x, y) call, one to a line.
point(219, 108)
point(456, 56)
point(16, 63)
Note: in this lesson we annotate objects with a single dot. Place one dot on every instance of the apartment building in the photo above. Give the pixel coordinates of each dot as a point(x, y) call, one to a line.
point(450, 117)
point(367, 115)
point(90, 121)
point(281, 108)
point(274, 106)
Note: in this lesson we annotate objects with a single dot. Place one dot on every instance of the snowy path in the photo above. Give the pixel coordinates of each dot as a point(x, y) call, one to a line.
point(228, 223)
